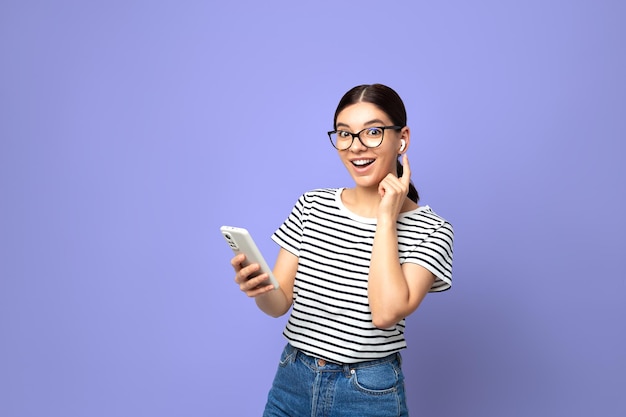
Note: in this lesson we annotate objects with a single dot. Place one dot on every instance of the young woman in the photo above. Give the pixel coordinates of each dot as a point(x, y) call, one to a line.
point(353, 264)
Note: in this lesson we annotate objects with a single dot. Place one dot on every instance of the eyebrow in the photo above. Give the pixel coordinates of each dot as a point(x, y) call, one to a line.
point(371, 122)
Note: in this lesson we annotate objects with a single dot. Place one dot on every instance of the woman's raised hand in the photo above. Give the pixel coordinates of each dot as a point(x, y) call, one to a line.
point(393, 192)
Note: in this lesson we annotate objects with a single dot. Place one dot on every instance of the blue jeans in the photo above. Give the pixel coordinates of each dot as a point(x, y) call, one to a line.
point(305, 386)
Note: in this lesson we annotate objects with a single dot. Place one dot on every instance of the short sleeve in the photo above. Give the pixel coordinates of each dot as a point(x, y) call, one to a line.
point(289, 235)
point(434, 253)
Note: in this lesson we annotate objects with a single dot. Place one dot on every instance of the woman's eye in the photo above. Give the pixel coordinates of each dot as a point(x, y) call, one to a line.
point(343, 134)
point(373, 132)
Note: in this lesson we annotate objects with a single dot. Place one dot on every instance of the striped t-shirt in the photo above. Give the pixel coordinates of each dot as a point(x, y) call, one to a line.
point(331, 316)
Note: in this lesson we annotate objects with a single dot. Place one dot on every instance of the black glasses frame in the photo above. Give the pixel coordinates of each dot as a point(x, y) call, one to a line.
point(358, 136)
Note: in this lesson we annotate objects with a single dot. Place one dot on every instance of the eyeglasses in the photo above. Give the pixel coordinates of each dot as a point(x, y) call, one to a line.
point(370, 137)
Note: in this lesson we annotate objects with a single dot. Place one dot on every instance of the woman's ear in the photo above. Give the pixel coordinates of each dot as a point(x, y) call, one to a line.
point(405, 138)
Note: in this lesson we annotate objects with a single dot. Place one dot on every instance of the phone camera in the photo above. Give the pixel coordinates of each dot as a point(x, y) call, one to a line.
point(230, 241)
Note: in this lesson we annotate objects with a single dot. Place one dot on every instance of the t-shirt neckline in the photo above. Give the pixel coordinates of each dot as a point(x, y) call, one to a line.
point(369, 220)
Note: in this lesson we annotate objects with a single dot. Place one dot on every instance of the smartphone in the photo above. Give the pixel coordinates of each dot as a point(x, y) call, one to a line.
point(240, 241)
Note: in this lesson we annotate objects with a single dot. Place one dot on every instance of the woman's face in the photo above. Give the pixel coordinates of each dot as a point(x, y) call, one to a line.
point(368, 166)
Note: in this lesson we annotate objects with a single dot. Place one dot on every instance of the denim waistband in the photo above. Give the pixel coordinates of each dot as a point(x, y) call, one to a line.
point(320, 364)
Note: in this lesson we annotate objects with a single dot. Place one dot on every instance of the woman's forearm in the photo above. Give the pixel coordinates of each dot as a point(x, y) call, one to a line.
point(388, 291)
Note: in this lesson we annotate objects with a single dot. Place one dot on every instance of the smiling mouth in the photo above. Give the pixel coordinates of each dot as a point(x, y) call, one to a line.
point(361, 163)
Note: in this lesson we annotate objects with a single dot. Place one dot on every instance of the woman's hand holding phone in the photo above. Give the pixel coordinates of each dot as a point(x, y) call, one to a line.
point(250, 281)
point(252, 273)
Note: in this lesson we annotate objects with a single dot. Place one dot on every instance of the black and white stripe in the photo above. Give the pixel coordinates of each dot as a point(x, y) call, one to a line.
point(331, 318)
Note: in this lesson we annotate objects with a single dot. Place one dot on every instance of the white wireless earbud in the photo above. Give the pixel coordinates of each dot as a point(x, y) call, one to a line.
point(402, 145)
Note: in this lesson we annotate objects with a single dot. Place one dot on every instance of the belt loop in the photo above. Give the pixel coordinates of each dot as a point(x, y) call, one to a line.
point(293, 353)
point(347, 371)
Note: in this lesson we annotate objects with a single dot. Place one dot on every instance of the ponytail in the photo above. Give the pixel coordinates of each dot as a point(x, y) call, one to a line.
point(412, 194)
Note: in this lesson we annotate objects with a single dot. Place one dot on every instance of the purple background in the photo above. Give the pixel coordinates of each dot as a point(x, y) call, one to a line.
point(131, 130)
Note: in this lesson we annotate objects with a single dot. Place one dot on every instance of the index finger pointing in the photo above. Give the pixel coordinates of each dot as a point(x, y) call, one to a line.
point(406, 170)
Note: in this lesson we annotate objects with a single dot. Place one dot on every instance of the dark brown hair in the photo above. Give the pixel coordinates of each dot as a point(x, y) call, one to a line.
point(388, 101)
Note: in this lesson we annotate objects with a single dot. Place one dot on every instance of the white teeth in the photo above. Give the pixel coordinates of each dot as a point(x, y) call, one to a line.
point(362, 162)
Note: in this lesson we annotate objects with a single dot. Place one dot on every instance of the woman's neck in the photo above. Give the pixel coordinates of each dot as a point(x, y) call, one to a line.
point(365, 201)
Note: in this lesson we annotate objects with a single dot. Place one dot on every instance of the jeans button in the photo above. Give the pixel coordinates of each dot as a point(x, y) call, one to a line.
point(321, 362)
